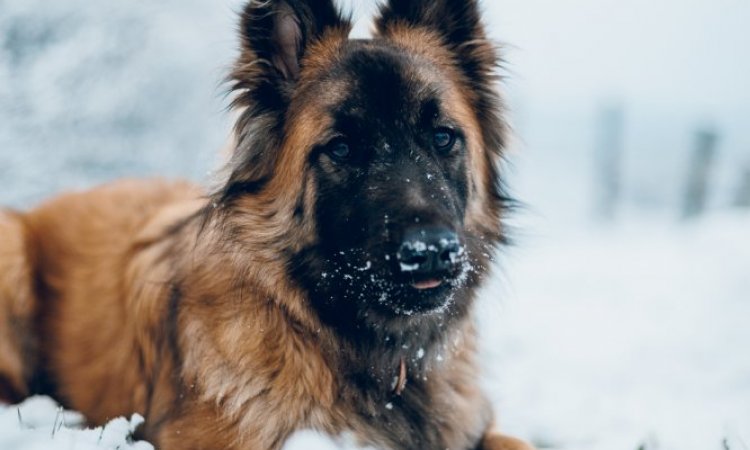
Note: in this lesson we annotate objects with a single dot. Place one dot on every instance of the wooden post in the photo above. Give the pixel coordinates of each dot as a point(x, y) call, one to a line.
point(609, 151)
point(699, 176)
point(742, 198)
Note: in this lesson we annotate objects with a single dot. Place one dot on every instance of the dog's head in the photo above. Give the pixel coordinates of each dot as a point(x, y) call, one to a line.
point(373, 163)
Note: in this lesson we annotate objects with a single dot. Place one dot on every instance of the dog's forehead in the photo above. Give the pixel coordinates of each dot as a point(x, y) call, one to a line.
point(376, 80)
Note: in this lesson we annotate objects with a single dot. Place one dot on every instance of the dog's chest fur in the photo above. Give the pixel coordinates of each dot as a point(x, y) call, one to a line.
point(433, 411)
point(324, 383)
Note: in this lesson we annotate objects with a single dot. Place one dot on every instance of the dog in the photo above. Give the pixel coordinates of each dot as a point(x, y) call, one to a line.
point(327, 284)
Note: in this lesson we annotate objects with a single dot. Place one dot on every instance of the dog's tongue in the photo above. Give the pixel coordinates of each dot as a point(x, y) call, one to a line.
point(429, 284)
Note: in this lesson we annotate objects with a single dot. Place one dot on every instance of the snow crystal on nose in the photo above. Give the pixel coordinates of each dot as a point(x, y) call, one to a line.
point(455, 256)
point(417, 246)
point(409, 267)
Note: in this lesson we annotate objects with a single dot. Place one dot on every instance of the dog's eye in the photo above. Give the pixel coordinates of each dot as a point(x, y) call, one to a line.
point(444, 139)
point(339, 150)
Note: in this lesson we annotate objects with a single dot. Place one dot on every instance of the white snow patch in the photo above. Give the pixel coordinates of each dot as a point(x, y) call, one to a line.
point(408, 267)
point(608, 339)
point(417, 246)
point(312, 440)
point(40, 424)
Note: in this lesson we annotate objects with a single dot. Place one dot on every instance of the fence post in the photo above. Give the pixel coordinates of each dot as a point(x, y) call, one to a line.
point(742, 198)
point(699, 174)
point(609, 151)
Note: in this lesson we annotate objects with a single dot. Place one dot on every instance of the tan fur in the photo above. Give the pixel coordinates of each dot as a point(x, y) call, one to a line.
point(499, 442)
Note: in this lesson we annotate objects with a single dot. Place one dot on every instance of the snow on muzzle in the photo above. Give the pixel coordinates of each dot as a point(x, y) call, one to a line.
point(429, 255)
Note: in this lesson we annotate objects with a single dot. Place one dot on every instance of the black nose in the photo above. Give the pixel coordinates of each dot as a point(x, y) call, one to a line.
point(428, 251)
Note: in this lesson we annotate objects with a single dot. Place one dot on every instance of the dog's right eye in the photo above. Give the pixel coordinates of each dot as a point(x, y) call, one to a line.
point(444, 139)
point(339, 150)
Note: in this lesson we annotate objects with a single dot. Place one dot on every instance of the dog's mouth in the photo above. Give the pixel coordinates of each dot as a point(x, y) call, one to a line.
point(431, 281)
point(427, 292)
point(428, 284)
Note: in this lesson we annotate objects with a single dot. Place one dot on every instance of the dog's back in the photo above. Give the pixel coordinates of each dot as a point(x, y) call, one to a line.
point(78, 250)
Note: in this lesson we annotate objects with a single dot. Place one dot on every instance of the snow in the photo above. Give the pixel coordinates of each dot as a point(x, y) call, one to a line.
point(310, 440)
point(409, 267)
point(40, 424)
point(607, 337)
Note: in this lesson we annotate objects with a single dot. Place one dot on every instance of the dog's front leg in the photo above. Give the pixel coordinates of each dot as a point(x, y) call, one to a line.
point(493, 440)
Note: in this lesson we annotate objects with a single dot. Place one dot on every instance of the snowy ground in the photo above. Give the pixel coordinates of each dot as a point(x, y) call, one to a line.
point(607, 339)
point(595, 337)
point(39, 424)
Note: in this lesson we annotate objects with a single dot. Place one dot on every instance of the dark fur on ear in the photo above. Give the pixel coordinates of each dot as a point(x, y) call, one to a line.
point(457, 21)
point(459, 24)
point(279, 31)
point(275, 35)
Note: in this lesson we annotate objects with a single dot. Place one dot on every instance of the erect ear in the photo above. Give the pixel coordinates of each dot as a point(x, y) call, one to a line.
point(275, 36)
point(279, 31)
point(458, 22)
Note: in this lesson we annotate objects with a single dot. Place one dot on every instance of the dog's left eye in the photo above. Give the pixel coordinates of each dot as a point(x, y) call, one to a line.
point(444, 139)
point(339, 150)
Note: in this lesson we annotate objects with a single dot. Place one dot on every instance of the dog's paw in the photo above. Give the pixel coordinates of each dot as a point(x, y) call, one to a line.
point(501, 442)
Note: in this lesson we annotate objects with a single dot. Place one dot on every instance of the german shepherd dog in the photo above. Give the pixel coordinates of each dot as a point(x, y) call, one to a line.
point(327, 284)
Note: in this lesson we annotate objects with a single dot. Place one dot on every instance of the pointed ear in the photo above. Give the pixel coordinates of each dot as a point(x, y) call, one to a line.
point(458, 22)
point(275, 36)
point(279, 31)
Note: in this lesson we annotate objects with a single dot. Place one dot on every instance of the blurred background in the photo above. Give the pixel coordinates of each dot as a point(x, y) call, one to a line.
point(620, 317)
